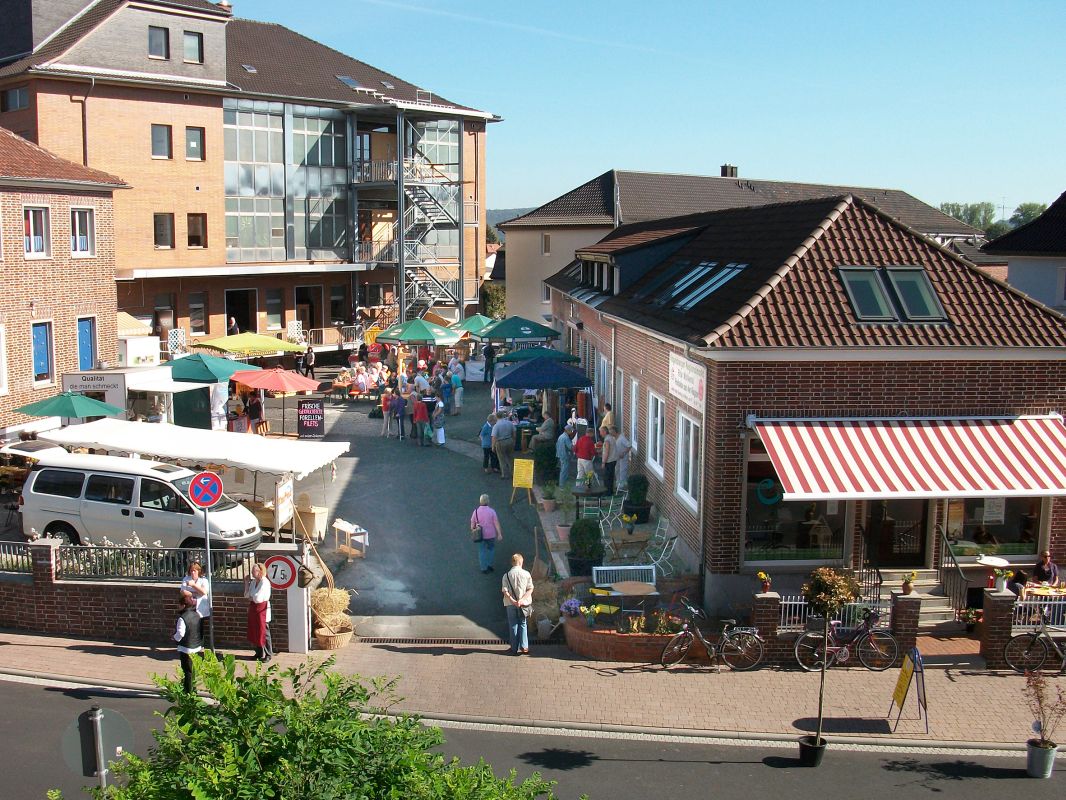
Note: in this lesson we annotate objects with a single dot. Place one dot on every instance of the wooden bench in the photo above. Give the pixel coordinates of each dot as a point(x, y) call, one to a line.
point(605, 576)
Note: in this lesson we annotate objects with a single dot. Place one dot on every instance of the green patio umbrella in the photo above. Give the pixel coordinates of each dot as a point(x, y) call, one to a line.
point(516, 329)
point(473, 324)
point(418, 331)
point(70, 404)
point(529, 353)
point(204, 368)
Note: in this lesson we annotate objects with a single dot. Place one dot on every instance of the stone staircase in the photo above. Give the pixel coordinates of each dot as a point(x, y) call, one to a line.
point(936, 606)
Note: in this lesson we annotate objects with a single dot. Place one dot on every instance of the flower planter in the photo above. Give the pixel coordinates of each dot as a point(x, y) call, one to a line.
point(549, 506)
point(563, 531)
point(811, 751)
point(907, 587)
point(1039, 761)
point(1001, 584)
point(765, 587)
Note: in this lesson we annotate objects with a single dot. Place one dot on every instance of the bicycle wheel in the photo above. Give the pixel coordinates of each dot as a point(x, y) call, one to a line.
point(877, 650)
point(1025, 652)
point(676, 649)
point(809, 650)
point(741, 651)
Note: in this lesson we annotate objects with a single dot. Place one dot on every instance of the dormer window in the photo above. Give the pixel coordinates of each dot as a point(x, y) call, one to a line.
point(892, 294)
point(158, 42)
point(194, 47)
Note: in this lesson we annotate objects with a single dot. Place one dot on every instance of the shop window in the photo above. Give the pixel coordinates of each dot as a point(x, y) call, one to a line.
point(993, 525)
point(198, 313)
point(778, 530)
point(338, 305)
point(275, 309)
point(896, 532)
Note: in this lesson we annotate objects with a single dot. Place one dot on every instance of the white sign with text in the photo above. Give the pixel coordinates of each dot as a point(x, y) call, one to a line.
point(688, 381)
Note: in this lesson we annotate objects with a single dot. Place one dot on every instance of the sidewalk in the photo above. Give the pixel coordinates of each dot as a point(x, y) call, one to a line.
point(552, 687)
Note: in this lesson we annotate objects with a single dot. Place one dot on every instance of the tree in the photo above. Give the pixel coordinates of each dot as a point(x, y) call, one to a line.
point(997, 229)
point(494, 296)
point(977, 215)
point(304, 733)
point(1025, 213)
point(491, 237)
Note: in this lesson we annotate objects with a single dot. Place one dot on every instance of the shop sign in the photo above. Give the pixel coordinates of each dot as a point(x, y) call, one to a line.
point(311, 418)
point(688, 381)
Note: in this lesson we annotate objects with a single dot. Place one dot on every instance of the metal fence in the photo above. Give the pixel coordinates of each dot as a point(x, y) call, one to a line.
point(75, 563)
point(795, 614)
point(15, 557)
point(1027, 614)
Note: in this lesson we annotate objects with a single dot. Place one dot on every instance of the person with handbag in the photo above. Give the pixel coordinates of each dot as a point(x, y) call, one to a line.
point(485, 532)
point(518, 600)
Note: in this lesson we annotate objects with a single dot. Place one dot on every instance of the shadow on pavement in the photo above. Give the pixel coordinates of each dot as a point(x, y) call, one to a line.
point(558, 758)
point(441, 650)
point(101, 694)
point(933, 771)
point(844, 725)
point(781, 762)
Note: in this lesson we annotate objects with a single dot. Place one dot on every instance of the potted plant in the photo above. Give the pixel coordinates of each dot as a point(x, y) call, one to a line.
point(970, 617)
point(637, 499)
point(571, 607)
point(565, 501)
point(1001, 578)
point(826, 591)
point(764, 577)
point(1048, 705)
point(908, 582)
point(548, 493)
point(630, 520)
point(586, 547)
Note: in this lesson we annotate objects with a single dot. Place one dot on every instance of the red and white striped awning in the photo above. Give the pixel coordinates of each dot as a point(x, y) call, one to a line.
point(825, 459)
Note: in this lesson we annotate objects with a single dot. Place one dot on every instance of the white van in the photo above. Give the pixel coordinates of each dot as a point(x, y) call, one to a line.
point(83, 498)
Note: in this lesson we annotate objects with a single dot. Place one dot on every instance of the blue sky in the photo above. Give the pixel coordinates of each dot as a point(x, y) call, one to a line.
point(962, 101)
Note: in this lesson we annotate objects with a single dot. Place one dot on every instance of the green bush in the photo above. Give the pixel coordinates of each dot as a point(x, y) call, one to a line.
point(545, 464)
point(303, 733)
point(585, 541)
point(638, 490)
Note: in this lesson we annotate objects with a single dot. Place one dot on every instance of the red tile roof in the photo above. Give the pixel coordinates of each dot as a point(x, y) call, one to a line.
point(21, 160)
point(1044, 236)
point(790, 294)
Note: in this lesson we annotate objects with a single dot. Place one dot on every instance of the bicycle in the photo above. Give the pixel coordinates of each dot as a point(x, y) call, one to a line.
point(877, 650)
point(1027, 652)
point(740, 648)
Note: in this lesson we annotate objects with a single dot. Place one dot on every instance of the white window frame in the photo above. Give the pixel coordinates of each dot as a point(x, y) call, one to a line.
point(5, 387)
point(47, 253)
point(686, 422)
point(634, 410)
point(545, 293)
point(602, 385)
point(50, 381)
point(656, 434)
point(619, 401)
point(91, 237)
point(545, 244)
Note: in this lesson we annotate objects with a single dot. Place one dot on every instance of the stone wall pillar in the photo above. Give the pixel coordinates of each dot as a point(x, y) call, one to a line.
point(43, 556)
point(766, 616)
point(996, 626)
point(905, 611)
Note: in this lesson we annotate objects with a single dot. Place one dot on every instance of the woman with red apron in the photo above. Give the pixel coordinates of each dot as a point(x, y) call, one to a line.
point(257, 590)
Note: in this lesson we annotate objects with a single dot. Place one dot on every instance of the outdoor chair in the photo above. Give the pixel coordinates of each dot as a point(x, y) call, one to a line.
point(612, 514)
point(660, 558)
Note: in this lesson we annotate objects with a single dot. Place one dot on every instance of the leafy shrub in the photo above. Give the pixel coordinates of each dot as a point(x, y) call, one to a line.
point(638, 490)
point(585, 540)
point(545, 464)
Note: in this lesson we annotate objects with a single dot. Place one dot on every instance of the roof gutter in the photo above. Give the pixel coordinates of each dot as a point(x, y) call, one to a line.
point(56, 183)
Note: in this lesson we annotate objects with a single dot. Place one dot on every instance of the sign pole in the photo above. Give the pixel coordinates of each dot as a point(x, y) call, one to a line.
point(210, 584)
point(205, 490)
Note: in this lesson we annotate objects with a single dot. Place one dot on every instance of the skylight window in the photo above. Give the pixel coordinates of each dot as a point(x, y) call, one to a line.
point(707, 284)
point(892, 294)
point(669, 274)
point(388, 84)
point(249, 69)
point(350, 82)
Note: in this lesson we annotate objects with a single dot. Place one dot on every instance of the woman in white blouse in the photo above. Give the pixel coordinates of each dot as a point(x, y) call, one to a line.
point(257, 590)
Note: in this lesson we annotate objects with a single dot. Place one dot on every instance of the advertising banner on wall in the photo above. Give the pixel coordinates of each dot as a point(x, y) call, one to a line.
point(688, 381)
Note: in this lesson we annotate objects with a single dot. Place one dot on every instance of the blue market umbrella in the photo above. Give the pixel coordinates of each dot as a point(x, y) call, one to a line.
point(543, 373)
point(530, 353)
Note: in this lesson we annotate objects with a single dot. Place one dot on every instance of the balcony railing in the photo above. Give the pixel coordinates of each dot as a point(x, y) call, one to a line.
point(15, 557)
point(336, 336)
point(382, 250)
point(471, 211)
point(374, 172)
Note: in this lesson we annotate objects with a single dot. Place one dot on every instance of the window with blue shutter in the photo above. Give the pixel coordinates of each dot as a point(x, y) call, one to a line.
point(42, 351)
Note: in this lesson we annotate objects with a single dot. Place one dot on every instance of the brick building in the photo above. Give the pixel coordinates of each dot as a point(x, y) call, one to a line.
point(273, 179)
point(57, 250)
point(817, 383)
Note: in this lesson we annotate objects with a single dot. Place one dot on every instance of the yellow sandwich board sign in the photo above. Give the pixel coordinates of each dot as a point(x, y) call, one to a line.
point(522, 478)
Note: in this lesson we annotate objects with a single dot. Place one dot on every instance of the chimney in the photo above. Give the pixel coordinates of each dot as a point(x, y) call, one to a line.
point(729, 171)
point(225, 5)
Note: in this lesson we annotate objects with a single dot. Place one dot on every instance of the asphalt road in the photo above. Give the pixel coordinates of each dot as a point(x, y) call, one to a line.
point(35, 718)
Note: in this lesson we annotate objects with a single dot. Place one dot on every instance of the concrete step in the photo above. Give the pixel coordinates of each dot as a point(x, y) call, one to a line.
point(897, 575)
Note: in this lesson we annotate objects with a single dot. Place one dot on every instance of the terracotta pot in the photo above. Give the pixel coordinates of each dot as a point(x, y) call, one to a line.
point(765, 586)
point(549, 505)
point(908, 587)
point(564, 532)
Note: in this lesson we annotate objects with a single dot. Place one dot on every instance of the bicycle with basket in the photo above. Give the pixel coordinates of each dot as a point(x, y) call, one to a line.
point(741, 648)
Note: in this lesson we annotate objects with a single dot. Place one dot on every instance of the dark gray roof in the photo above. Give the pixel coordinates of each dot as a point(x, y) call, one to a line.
point(66, 38)
point(970, 249)
point(653, 195)
point(1044, 236)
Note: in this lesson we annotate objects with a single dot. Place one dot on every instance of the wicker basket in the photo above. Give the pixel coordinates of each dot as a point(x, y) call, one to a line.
point(332, 641)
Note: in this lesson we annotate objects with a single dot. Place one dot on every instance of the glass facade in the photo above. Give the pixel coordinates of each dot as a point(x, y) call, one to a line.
point(254, 176)
point(319, 183)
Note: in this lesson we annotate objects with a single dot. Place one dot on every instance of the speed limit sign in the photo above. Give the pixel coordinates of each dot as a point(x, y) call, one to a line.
point(280, 571)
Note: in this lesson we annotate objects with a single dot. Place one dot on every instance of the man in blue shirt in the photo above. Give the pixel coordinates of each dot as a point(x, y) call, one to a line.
point(564, 451)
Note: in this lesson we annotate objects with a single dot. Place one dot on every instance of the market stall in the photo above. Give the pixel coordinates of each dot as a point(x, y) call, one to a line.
point(544, 375)
point(149, 393)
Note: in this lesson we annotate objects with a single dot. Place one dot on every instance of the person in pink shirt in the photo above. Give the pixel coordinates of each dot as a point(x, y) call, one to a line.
point(485, 517)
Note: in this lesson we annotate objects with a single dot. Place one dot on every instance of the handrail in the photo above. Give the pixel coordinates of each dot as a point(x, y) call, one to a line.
point(952, 578)
point(870, 578)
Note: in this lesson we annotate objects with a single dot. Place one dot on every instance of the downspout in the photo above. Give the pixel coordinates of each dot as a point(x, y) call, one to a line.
point(703, 500)
point(401, 260)
point(85, 123)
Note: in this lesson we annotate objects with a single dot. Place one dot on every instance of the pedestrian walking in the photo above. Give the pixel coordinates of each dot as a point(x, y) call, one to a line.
point(446, 393)
point(623, 447)
point(609, 456)
point(420, 420)
point(399, 410)
point(196, 586)
point(309, 362)
point(457, 392)
point(257, 590)
point(564, 453)
point(485, 522)
point(489, 461)
point(187, 635)
point(386, 412)
point(518, 599)
point(503, 445)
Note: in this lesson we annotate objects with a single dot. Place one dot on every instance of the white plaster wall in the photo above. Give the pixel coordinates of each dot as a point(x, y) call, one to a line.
point(527, 267)
point(1043, 279)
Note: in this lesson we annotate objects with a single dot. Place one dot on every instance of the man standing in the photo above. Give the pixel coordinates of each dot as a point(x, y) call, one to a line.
point(623, 447)
point(564, 452)
point(608, 417)
point(231, 328)
point(610, 458)
point(503, 445)
point(309, 362)
point(517, 593)
point(187, 635)
point(585, 450)
point(490, 362)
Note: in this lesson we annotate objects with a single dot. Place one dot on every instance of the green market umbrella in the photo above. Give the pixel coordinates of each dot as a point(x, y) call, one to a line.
point(529, 353)
point(516, 329)
point(418, 331)
point(251, 344)
point(204, 368)
point(473, 324)
point(70, 404)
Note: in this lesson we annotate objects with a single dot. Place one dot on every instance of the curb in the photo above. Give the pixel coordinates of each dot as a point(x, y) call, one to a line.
point(589, 727)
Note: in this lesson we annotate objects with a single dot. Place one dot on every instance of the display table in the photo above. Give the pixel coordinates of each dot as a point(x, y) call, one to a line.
point(584, 495)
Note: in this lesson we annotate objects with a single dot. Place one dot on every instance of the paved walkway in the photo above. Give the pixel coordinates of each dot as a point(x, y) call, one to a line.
point(551, 687)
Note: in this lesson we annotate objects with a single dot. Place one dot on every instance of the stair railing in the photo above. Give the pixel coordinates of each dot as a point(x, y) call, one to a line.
point(952, 578)
point(869, 576)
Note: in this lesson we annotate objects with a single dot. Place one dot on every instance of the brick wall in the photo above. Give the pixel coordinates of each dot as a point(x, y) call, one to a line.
point(58, 289)
point(997, 616)
point(113, 610)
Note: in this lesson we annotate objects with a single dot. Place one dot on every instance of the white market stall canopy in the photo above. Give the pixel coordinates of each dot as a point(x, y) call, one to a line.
point(177, 443)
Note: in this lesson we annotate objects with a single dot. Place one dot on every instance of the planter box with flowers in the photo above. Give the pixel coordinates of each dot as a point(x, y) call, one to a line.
point(642, 641)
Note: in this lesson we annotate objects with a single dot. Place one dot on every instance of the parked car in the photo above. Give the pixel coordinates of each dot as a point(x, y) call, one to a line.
point(81, 499)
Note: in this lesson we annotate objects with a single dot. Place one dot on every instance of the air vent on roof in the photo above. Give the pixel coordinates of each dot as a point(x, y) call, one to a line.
point(348, 81)
point(388, 84)
point(249, 68)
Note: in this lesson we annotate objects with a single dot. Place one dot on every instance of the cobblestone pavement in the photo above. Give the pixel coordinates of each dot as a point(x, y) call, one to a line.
point(552, 687)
